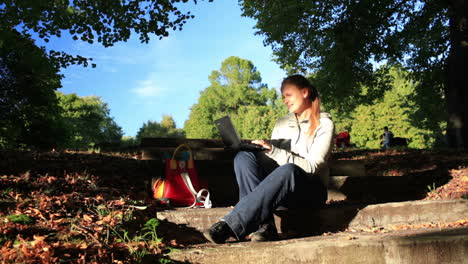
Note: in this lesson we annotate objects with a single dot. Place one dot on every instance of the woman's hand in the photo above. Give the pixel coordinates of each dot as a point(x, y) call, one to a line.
point(262, 143)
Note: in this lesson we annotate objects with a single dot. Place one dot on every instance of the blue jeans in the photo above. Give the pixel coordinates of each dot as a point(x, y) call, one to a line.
point(386, 144)
point(261, 193)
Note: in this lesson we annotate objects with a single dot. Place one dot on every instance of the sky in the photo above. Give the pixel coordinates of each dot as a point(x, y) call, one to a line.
point(142, 82)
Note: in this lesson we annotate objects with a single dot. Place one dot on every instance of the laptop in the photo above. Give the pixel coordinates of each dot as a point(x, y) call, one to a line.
point(231, 138)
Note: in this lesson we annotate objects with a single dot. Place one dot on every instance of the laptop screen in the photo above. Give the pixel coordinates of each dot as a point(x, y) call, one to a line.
point(228, 132)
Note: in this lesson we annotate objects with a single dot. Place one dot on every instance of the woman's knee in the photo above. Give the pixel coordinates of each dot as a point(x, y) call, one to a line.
point(289, 167)
point(244, 156)
point(288, 171)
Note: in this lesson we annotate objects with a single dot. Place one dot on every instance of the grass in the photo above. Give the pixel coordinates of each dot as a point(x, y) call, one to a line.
point(94, 150)
point(6, 192)
point(101, 210)
point(3, 239)
point(20, 219)
point(432, 189)
point(142, 243)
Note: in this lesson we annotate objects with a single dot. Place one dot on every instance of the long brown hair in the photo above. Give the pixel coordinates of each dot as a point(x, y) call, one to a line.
point(302, 82)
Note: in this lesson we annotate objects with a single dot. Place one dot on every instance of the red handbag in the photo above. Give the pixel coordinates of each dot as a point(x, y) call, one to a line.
point(181, 186)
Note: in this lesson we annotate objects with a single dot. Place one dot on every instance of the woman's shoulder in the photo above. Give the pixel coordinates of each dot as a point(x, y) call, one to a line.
point(326, 119)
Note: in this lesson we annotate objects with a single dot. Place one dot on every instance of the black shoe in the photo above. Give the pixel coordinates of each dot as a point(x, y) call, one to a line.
point(266, 232)
point(219, 232)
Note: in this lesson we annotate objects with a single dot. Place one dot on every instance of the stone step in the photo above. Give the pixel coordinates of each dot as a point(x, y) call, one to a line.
point(351, 168)
point(432, 246)
point(213, 150)
point(382, 189)
point(366, 189)
point(222, 183)
point(335, 217)
point(354, 168)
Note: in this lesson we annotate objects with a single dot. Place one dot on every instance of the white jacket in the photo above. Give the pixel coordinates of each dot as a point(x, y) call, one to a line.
point(290, 144)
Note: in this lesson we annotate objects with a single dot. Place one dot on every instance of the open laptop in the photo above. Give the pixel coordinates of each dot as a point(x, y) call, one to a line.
point(231, 138)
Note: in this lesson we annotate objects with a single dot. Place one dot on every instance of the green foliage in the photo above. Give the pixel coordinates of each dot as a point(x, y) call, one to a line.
point(339, 42)
point(29, 111)
point(257, 122)
point(128, 141)
point(341, 39)
point(147, 236)
point(235, 90)
point(29, 114)
point(106, 22)
point(6, 192)
point(3, 239)
point(20, 219)
point(394, 110)
point(33, 114)
point(87, 121)
point(149, 231)
point(167, 128)
point(431, 188)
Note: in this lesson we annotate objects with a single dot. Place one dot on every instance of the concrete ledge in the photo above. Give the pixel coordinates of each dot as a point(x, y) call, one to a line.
point(336, 218)
point(416, 247)
point(353, 168)
point(378, 215)
point(382, 188)
point(411, 213)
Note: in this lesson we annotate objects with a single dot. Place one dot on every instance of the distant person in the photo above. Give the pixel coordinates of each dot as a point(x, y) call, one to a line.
point(387, 138)
point(343, 140)
point(302, 143)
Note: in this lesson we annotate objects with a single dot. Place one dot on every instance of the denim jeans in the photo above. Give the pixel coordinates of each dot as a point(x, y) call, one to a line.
point(386, 144)
point(261, 193)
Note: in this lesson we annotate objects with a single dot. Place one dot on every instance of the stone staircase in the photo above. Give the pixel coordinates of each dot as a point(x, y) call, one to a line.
point(357, 201)
point(415, 247)
point(348, 180)
point(333, 218)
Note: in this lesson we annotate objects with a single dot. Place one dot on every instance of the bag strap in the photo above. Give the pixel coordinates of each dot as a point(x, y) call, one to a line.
point(190, 161)
point(198, 197)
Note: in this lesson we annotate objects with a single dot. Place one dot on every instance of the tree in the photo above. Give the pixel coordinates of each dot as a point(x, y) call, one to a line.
point(29, 114)
point(257, 122)
point(394, 110)
point(235, 90)
point(129, 141)
point(167, 128)
point(341, 40)
point(106, 22)
point(88, 121)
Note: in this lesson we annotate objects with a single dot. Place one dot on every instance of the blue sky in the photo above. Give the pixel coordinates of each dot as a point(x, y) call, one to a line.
point(142, 82)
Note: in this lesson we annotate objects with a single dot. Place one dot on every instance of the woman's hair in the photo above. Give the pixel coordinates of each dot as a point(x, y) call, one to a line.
point(302, 82)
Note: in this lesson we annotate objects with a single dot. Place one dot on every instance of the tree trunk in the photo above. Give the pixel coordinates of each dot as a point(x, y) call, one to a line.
point(457, 82)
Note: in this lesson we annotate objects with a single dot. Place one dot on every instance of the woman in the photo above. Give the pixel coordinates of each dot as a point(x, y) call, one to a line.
point(300, 146)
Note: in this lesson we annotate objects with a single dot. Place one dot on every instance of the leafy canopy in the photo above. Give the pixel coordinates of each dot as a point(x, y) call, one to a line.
point(106, 22)
point(166, 128)
point(29, 115)
point(87, 121)
point(395, 110)
point(340, 41)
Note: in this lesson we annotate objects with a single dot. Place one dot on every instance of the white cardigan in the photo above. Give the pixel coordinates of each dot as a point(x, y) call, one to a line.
point(290, 144)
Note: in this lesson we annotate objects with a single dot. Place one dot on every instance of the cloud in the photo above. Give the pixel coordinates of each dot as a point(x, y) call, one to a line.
point(149, 87)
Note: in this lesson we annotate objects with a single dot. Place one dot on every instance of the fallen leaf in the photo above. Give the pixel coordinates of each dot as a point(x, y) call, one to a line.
point(87, 218)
